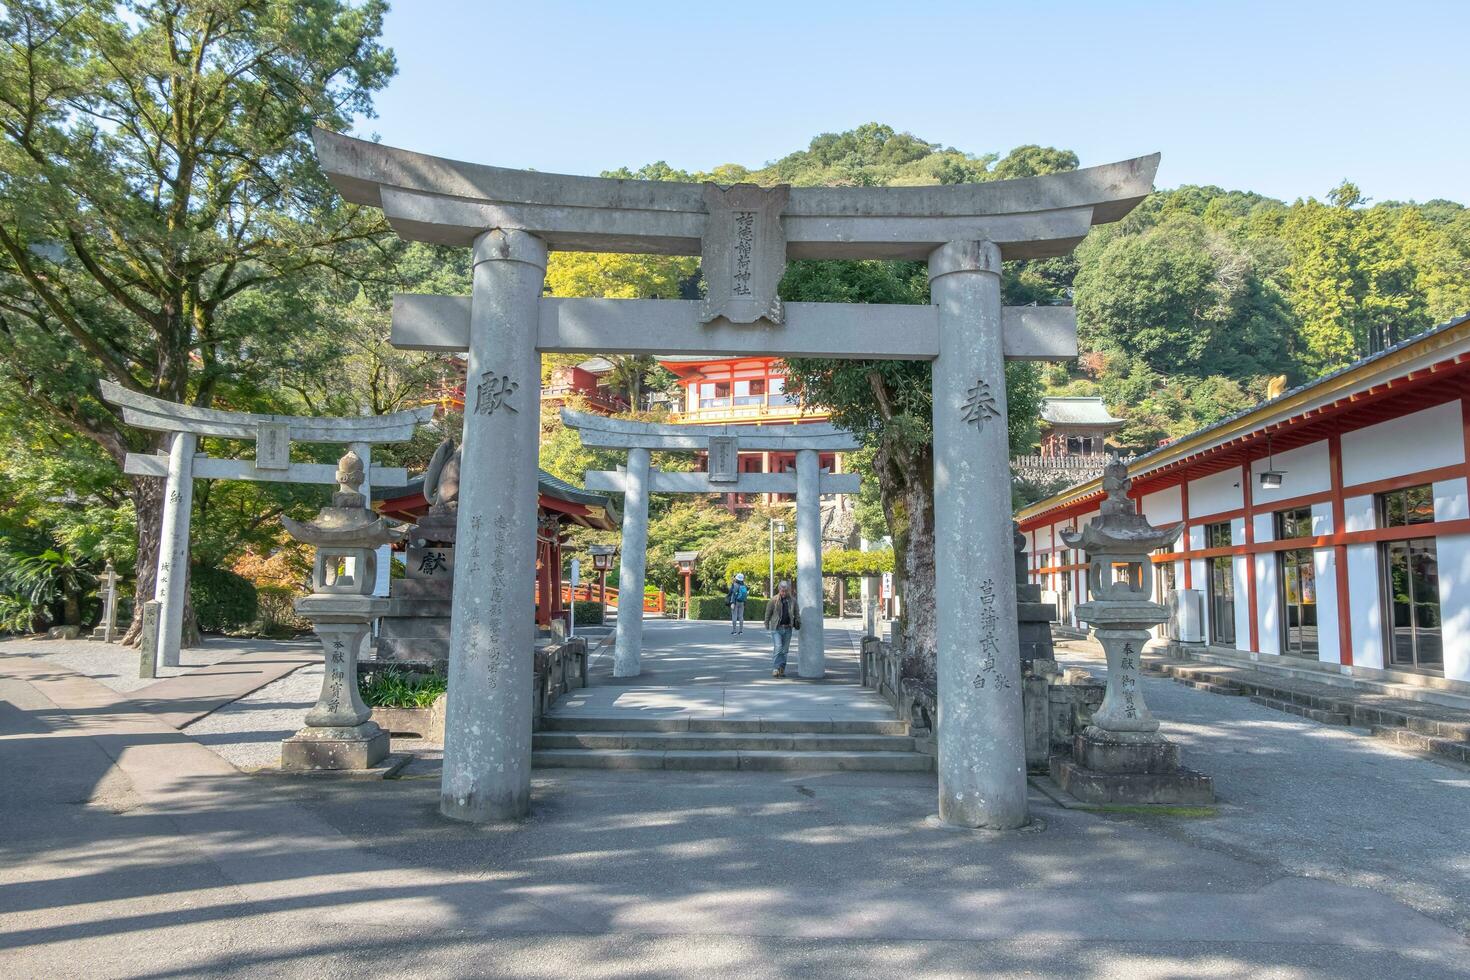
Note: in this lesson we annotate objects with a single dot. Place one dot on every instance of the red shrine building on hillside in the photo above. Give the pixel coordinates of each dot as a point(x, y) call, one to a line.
point(1327, 528)
point(743, 391)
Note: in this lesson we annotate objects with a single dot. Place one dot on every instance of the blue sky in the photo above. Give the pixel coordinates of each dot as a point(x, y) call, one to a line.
point(1284, 98)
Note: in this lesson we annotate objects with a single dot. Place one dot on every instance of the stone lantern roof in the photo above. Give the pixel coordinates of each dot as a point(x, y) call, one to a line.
point(1120, 529)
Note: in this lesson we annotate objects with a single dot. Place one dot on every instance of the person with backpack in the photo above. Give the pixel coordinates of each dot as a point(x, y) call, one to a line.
point(782, 617)
point(735, 599)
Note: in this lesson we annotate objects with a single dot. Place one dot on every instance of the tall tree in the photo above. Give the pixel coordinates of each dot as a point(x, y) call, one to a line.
point(160, 197)
point(890, 404)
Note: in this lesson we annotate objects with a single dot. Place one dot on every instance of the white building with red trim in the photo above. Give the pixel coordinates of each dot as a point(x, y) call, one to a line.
point(1330, 524)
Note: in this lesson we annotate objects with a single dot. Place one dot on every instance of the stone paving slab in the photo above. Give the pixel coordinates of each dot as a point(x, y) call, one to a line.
point(699, 671)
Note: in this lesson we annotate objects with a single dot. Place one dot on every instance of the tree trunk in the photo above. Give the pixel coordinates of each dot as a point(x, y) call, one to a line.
point(906, 485)
point(147, 495)
point(71, 606)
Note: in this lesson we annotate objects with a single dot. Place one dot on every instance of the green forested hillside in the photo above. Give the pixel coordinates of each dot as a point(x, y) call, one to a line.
point(1187, 307)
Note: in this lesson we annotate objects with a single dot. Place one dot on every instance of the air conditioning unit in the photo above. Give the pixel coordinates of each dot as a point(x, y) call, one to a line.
point(1186, 622)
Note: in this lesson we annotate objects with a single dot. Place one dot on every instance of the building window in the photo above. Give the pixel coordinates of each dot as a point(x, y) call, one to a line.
point(1403, 508)
point(1163, 578)
point(1222, 586)
point(1411, 583)
point(1298, 575)
point(1295, 523)
point(778, 396)
point(714, 394)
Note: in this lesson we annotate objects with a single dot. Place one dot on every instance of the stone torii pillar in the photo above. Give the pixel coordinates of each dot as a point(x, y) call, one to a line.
point(632, 566)
point(492, 632)
point(272, 434)
point(982, 761)
point(811, 650)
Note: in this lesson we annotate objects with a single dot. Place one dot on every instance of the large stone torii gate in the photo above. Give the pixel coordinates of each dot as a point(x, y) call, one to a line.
point(744, 236)
point(724, 443)
point(273, 435)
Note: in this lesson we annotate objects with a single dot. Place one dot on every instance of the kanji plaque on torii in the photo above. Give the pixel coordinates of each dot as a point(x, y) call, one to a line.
point(511, 218)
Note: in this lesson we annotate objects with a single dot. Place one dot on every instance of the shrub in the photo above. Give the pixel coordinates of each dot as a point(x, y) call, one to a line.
point(714, 607)
point(277, 609)
point(589, 614)
point(223, 601)
point(393, 688)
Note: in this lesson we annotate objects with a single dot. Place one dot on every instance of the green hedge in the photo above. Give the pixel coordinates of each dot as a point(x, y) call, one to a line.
point(714, 607)
point(589, 614)
point(223, 601)
point(757, 565)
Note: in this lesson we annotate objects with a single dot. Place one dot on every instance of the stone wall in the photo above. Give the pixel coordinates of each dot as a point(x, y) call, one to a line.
point(560, 667)
point(1056, 704)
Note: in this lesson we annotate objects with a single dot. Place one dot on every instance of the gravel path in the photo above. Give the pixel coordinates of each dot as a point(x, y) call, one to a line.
point(248, 732)
point(1324, 801)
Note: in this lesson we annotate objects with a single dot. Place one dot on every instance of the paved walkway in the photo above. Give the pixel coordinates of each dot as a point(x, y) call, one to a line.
point(698, 670)
point(129, 850)
point(219, 672)
point(1324, 801)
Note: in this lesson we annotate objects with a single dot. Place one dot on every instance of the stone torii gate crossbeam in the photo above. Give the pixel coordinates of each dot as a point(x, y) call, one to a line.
point(272, 435)
point(724, 443)
point(744, 235)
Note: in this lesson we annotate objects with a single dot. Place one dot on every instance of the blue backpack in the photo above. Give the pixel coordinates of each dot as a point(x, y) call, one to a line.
point(738, 592)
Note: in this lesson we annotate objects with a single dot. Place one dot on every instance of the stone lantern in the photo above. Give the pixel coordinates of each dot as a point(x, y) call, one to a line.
point(1121, 757)
point(346, 535)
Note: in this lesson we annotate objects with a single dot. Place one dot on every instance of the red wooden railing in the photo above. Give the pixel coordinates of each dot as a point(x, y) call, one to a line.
point(652, 602)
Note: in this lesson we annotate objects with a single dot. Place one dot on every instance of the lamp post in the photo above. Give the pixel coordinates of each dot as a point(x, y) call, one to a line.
point(602, 560)
point(685, 560)
point(775, 526)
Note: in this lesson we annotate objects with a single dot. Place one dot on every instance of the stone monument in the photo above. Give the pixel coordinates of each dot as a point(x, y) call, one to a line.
point(1121, 757)
point(339, 733)
point(415, 628)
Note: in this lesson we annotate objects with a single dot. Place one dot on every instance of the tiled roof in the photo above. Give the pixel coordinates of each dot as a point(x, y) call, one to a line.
point(1076, 411)
point(547, 484)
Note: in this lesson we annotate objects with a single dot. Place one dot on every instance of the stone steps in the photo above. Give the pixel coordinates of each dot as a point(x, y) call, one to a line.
point(742, 759)
point(626, 723)
point(1418, 726)
point(1315, 714)
point(1456, 749)
point(780, 744)
point(724, 741)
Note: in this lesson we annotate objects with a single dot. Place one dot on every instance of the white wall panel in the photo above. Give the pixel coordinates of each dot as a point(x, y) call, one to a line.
point(1420, 441)
point(1307, 470)
point(1215, 493)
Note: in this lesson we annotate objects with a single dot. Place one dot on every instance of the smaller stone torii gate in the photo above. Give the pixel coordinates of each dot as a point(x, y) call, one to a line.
point(724, 444)
point(272, 435)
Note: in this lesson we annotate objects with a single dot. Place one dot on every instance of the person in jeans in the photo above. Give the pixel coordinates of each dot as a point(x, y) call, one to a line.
point(782, 617)
point(735, 599)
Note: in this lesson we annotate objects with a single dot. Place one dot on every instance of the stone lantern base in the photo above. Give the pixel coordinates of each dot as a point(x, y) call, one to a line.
point(358, 747)
point(1129, 767)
